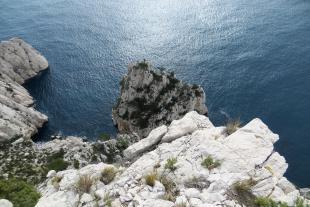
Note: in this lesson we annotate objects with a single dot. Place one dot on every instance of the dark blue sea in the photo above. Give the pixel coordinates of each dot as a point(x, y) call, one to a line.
point(251, 57)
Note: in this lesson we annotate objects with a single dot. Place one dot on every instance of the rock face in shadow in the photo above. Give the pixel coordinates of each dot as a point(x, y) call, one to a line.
point(18, 63)
point(151, 97)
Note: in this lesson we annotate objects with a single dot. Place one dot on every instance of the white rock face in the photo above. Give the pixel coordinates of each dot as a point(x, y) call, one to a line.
point(145, 144)
point(5, 203)
point(18, 63)
point(151, 98)
point(247, 154)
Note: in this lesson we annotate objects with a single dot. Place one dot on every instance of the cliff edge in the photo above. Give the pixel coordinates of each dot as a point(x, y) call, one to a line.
point(196, 164)
point(19, 62)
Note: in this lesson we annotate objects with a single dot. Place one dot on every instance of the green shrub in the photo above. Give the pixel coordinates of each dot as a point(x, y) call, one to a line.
point(57, 164)
point(76, 164)
point(151, 178)
point(107, 200)
point(56, 161)
point(245, 185)
point(142, 65)
point(122, 144)
point(268, 202)
point(170, 164)
point(108, 174)
point(104, 137)
point(20, 193)
point(210, 163)
point(232, 125)
point(301, 203)
point(242, 190)
point(84, 183)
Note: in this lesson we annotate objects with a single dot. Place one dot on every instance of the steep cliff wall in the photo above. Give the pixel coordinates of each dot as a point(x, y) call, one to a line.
point(18, 63)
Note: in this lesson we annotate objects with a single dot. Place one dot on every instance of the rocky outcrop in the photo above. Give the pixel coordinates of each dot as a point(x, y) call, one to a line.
point(193, 163)
point(18, 63)
point(151, 97)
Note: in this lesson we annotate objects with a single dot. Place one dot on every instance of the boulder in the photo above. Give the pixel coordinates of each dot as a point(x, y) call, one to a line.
point(5, 203)
point(145, 144)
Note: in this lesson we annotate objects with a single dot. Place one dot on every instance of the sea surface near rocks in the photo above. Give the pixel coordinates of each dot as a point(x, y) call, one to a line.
point(251, 57)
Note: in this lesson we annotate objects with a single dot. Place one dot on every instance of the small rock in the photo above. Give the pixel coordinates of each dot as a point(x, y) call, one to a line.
point(51, 173)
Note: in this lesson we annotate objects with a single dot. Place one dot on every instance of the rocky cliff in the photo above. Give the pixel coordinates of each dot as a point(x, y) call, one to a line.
point(151, 97)
point(196, 164)
point(18, 63)
point(183, 161)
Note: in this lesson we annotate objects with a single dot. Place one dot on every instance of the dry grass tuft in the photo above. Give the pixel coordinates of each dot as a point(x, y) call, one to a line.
point(151, 178)
point(84, 183)
point(232, 125)
point(171, 188)
point(108, 174)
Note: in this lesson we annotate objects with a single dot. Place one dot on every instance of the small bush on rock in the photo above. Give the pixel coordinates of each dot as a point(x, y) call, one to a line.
point(301, 203)
point(104, 137)
point(20, 193)
point(108, 174)
point(84, 183)
point(232, 125)
point(57, 164)
point(171, 188)
point(122, 143)
point(267, 202)
point(142, 65)
point(76, 164)
point(151, 178)
point(210, 163)
point(244, 186)
point(170, 164)
point(243, 192)
point(107, 200)
point(56, 161)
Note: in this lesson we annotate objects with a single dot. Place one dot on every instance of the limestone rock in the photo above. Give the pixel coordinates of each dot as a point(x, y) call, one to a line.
point(151, 97)
point(18, 63)
point(5, 203)
point(188, 124)
point(305, 192)
point(145, 144)
point(247, 154)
